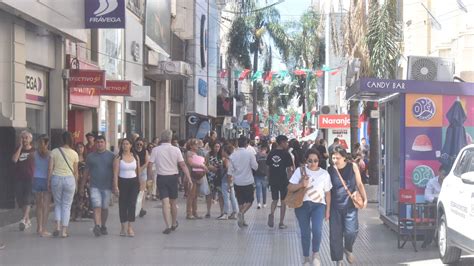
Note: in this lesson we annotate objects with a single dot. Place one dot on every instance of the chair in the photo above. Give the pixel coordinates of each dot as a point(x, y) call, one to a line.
point(413, 217)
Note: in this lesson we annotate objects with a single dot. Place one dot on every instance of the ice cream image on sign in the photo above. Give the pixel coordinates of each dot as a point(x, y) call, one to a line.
point(422, 143)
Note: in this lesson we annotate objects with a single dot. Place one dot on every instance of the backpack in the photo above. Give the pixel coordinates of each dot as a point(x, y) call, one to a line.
point(262, 169)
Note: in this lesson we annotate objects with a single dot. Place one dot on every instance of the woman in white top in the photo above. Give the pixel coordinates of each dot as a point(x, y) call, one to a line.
point(316, 203)
point(126, 185)
point(62, 181)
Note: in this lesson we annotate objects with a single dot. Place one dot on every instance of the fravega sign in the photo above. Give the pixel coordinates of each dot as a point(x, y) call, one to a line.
point(334, 121)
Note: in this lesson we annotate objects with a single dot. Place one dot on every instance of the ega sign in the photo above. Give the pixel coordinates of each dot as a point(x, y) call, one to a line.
point(104, 14)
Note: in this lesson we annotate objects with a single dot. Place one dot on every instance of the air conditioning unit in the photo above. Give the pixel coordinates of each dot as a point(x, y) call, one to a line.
point(175, 68)
point(328, 109)
point(424, 68)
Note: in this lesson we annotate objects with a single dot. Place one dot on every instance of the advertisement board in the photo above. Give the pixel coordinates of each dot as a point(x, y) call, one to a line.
point(104, 14)
point(36, 85)
point(334, 121)
point(86, 78)
point(117, 88)
point(344, 135)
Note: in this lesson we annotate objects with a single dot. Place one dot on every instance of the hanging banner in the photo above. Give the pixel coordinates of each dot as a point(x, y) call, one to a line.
point(244, 74)
point(79, 78)
point(88, 97)
point(334, 121)
point(117, 88)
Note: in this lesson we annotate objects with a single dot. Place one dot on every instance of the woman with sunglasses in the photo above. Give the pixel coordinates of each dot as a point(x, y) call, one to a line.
point(316, 204)
point(343, 223)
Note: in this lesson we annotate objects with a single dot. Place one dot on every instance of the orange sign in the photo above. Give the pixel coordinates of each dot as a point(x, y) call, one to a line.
point(334, 121)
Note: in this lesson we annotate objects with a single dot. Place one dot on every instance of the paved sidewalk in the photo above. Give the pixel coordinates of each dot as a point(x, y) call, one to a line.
point(202, 242)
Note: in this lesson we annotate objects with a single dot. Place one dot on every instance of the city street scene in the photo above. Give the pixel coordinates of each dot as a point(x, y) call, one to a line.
point(236, 132)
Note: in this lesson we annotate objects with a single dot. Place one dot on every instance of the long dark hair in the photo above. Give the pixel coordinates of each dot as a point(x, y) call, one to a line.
point(212, 144)
point(347, 157)
point(132, 150)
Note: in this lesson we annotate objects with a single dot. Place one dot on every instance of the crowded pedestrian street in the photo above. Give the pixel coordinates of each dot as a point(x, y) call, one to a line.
point(204, 242)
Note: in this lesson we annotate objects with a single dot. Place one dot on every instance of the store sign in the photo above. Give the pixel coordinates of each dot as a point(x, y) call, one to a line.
point(334, 121)
point(344, 135)
point(117, 88)
point(35, 83)
point(139, 94)
point(104, 14)
point(88, 97)
point(86, 78)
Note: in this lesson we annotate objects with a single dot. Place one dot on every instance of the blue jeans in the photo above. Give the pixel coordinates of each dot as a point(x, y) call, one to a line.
point(343, 229)
point(229, 197)
point(63, 188)
point(310, 218)
point(261, 189)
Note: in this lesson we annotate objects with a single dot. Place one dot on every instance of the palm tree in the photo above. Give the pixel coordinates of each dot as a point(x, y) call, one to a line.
point(247, 36)
point(374, 38)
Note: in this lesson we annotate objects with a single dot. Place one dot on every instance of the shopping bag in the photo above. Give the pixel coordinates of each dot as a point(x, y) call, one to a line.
point(138, 206)
point(204, 187)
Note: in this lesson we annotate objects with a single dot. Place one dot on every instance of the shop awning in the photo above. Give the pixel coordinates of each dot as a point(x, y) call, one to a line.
point(372, 89)
point(169, 70)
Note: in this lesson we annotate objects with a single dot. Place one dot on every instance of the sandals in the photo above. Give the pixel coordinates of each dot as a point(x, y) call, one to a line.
point(167, 231)
point(173, 227)
point(122, 233)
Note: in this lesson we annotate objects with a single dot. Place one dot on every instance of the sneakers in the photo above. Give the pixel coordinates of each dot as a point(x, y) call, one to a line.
point(282, 226)
point(232, 216)
point(103, 230)
point(174, 227)
point(21, 225)
point(142, 213)
point(259, 206)
point(96, 230)
point(264, 205)
point(2, 246)
point(208, 216)
point(339, 263)
point(222, 217)
point(307, 261)
point(316, 259)
point(240, 220)
point(270, 220)
point(349, 256)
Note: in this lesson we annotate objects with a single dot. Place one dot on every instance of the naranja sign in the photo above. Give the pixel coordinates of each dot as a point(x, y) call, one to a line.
point(334, 121)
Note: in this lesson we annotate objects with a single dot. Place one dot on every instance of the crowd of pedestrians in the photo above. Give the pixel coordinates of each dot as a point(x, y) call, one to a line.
point(82, 180)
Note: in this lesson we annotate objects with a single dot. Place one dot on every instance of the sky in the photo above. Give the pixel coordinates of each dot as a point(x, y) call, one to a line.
point(290, 10)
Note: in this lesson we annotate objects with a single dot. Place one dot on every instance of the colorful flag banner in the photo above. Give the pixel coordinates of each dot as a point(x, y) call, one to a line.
point(257, 75)
point(244, 74)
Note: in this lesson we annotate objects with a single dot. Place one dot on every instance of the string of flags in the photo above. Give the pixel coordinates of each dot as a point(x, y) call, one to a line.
point(268, 76)
point(290, 119)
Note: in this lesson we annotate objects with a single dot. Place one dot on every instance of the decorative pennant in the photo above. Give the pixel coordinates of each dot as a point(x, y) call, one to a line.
point(308, 116)
point(223, 73)
point(282, 118)
point(283, 74)
point(299, 72)
point(292, 118)
point(237, 73)
point(298, 117)
point(269, 76)
point(287, 119)
point(333, 73)
point(244, 74)
point(257, 75)
point(325, 68)
point(319, 73)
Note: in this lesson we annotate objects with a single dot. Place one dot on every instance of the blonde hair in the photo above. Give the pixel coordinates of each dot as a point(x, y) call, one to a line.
point(27, 134)
point(190, 143)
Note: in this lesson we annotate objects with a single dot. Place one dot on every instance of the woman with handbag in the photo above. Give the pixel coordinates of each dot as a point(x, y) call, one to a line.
point(315, 183)
point(214, 177)
point(62, 182)
point(198, 168)
point(347, 196)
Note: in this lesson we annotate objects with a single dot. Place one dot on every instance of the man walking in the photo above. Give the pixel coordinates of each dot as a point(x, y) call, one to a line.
point(99, 170)
point(331, 149)
point(279, 163)
point(242, 161)
point(167, 158)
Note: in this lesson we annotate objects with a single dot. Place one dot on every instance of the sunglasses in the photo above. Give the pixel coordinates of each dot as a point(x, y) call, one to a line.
point(312, 161)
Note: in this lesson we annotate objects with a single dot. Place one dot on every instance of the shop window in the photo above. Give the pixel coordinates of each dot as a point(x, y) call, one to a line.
point(36, 121)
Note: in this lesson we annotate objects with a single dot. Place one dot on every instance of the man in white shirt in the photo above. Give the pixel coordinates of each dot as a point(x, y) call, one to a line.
point(167, 158)
point(433, 187)
point(242, 161)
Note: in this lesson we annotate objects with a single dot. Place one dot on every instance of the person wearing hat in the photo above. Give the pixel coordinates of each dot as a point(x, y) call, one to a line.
point(279, 163)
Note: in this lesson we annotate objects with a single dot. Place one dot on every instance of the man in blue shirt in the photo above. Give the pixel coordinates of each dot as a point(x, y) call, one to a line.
point(99, 170)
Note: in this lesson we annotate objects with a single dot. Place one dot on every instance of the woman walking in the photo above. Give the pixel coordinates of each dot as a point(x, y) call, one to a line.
point(260, 176)
point(126, 185)
point(343, 223)
point(198, 172)
point(144, 157)
point(316, 204)
point(80, 205)
point(214, 177)
point(228, 192)
point(62, 181)
point(40, 185)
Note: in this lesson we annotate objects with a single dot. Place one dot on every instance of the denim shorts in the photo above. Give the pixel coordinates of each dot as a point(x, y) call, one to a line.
point(40, 185)
point(100, 198)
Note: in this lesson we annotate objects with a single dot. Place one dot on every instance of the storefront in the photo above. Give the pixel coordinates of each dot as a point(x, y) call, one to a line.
point(37, 90)
point(413, 127)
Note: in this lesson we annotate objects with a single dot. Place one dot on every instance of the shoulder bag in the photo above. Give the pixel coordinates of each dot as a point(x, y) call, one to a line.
point(64, 157)
point(294, 199)
point(355, 197)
